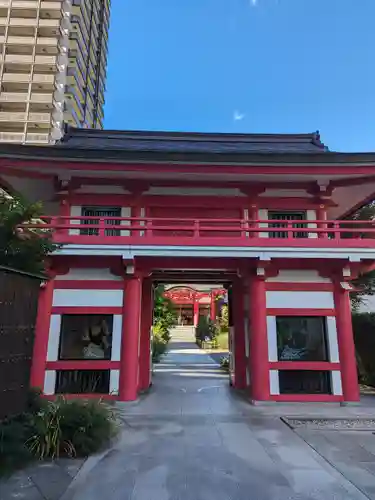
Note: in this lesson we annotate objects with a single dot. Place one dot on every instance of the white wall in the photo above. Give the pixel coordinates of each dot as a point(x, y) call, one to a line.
point(114, 382)
point(54, 337)
point(87, 298)
point(272, 338)
point(49, 382)
point(333, 346)
point(299, 300)
point(274, 382)
point(298, 276)
point(336, 383)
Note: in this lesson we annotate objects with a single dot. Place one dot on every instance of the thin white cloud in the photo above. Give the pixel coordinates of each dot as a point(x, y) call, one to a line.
point(237, 116)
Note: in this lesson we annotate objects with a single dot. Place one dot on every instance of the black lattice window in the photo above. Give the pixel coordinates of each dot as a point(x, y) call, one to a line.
point(305, 382)
point(282, 218)
point(82, 381)
point(302, 338)
point(101, 212)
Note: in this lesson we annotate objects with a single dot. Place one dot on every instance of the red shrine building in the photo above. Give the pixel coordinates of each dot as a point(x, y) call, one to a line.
point(261, 215)
point(193, 302)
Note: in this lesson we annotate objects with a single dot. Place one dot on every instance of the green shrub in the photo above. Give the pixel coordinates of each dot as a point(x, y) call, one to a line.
point(85, 426)
point(71, 428)
point(159, 343)
point(162, 331)
point(214, 343)
point(224, 318)
point(165, 316)
point(46, 440)
point(51, 429)
point(206, 329)
point(223, 341)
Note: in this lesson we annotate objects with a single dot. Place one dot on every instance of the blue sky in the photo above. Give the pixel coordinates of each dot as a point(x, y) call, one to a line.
point(275, 66)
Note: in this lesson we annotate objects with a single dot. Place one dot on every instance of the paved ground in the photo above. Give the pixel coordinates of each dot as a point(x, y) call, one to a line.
point(193, 439)
point(41, 481)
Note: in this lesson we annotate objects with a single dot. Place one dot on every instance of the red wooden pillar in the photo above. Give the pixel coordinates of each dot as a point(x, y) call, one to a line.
point(42, 325)
point(196, 312)
point(239, 335)
point(259, 372)
point(213, 307)
point(131, 320)
point(145, 340)
point(349, 376)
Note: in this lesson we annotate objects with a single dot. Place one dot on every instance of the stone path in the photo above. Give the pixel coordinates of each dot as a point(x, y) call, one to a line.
point(192, 438)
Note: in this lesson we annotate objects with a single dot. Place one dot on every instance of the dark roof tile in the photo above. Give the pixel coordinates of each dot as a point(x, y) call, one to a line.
point(191, 142)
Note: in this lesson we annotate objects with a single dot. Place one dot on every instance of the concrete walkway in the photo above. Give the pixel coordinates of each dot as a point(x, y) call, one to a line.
point(192, 438)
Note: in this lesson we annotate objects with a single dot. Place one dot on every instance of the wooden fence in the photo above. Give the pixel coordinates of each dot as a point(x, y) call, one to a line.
point(19, 293)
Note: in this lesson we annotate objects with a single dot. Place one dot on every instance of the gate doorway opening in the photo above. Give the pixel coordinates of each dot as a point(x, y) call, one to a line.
point(203, 329)
point(199, 290)
point(198, 335)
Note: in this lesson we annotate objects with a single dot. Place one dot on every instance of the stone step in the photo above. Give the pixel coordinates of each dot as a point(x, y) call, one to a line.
point(183, 333)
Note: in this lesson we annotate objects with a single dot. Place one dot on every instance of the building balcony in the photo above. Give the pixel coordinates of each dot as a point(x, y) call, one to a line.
point(13, 97)
point(173, 232)
point(17, 97)
point(8, 116)
point(32, 5)
point(18, 83)
point(28, 59)
point(19, 59)
point(34, 138)
point(20, 40)
point(47, 41)
point(16, 137)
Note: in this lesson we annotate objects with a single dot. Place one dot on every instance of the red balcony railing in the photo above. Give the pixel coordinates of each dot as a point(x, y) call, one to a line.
point(214, 232)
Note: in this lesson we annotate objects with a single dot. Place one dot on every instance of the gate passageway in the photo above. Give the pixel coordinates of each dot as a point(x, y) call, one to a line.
point(186, 369)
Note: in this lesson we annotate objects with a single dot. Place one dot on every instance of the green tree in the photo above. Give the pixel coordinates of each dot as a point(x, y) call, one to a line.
point(22, 248)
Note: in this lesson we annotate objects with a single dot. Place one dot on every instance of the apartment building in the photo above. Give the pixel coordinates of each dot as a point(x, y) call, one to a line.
point(53, 58)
